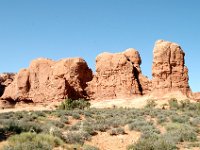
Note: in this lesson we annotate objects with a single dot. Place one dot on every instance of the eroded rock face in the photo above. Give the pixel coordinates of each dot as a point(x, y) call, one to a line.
point(196, 96)
point(169, 71)
point(118, 76)
point(46, 80)
point(5, 80)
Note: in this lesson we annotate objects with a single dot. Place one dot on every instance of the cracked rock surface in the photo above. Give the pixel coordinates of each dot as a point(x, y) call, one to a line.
point(117, 76)
point(169, 71)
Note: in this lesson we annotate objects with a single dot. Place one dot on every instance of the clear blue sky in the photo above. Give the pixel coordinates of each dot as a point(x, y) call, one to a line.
point(69, 28)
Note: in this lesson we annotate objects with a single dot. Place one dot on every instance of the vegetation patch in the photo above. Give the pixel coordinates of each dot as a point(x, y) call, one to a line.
point(33, 141)
point(76, 123)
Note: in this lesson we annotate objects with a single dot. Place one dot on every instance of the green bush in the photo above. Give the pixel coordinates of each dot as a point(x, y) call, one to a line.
point(182, 132)
point(195, 121)
point(55, 123)
point(76, 137)
point(88, 147)
point(89, 128)
point(154, 143)
point(142, 126)
point(151, 103)
point(16, 126)
point(184, 104)
point(173, 103)
point(161, 119)
point(143, 144)
point(180, 118)
point(70, 104)
point(101, 127)
point(64, 119)
point(31, 141)
point(117, 131)
point(76, 115)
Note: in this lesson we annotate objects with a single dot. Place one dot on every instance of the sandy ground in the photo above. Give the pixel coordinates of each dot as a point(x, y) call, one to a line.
point(27, 108)
point(109, 103)
point(137, 102)
point(129, 103)
point(104, 141)
point(2, 144)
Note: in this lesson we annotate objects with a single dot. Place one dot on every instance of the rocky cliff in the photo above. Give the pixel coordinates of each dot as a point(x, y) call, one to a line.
point(5, 80)
point(169, 71)
point(117, 76)
point(46, 80)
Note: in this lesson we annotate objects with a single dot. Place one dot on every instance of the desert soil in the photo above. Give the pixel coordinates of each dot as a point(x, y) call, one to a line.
point(104, 141)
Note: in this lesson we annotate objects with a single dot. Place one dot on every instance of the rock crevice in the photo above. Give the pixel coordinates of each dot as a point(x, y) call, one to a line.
point(169, 71)
point(117, 76)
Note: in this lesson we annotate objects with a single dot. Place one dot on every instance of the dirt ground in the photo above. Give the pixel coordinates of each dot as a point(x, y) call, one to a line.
point(137, 102)
point(104, 141)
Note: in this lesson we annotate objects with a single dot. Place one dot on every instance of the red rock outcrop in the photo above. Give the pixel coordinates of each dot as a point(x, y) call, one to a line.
point(5, 80)
point(46, 80)
point(169, 71)
point(118, 76)
point(196, 96)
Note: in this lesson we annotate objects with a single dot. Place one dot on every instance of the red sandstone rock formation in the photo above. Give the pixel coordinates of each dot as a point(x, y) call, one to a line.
point(169, 71)
point(46, 80)
point(118, 76)
point(196, 96)
point(5, 80)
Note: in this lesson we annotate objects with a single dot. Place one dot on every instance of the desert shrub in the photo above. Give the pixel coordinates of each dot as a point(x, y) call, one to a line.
point(116, 131)
point(151, 103)
point(76, 137)
point(55, 123)
point(154, 143)
point(193, 107)
point(114, 122)
point(88, 147)
point(12, 126)
point(148, 134)
point(16, 126)
point(89, 128)
point(194, 144)
point(7, 115)
point(161, 119)
point(182, 132)
point(30, 126)
point(165, 142)
point(142, 126)
point(75, 115)
point(54, 131)
point(30, 141)
point(195, 121)
point(184, 104)
point(143, 144)
point(75, 127)
point(41, 113)
point(101, 127)
point(64, 119)
point(59, 113)
point(173, 126)
point(173, 103)
point(70, 104)
point(87, 114)
point(180, 118)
